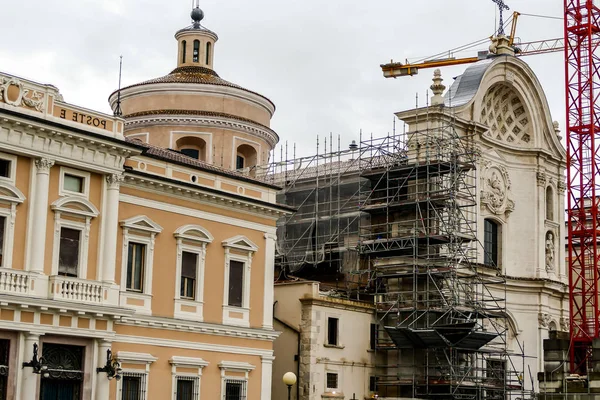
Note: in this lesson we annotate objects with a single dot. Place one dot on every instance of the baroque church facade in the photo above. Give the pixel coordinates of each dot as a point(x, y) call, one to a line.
point(136, 260)
point(499, 109)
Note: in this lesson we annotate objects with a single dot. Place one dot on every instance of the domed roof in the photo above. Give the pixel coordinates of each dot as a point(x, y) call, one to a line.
point(195, 75)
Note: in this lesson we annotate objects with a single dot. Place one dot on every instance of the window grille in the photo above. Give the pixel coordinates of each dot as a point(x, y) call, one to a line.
point(188, 388)
point(133, 386)
point(4, 356)
point(332, 380)
point(235, 389)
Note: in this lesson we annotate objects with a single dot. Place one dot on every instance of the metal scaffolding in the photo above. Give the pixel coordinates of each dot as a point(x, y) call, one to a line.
point(394, 220)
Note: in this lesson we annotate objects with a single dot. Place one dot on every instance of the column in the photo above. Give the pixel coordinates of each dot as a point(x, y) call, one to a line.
point(269, 280)
point(267, 373)
point(102, 382)
point(40, 214)
point(29, 379)
point(111, 220)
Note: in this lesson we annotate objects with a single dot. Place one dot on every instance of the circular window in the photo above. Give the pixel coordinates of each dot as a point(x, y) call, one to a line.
point(194, 178)
point(142, 166)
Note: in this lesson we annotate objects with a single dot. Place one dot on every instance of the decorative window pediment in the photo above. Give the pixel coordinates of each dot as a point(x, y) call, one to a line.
point(236, 366)
point(10, 193)
point(142, 223)
point(240, 243)
point(75, 206)
point(194, 233)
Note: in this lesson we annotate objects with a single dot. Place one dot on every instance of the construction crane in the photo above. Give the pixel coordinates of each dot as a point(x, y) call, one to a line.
point(580, 43)
point(396, 69)
point(582, 87)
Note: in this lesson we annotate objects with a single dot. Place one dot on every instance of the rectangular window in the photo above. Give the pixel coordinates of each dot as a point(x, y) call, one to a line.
point(490, 242)
point(235, 390)
point(2, 230)
point(68, 255)
point(133, 386)
point(189, 263)
point(136, 262)
point(187, 388)
point(5, 168)
point(332, 331)
point(373, 337)
point(239, 162)
point(236, 283)
point(372, 384)
point(73, 183)
point(332, 380)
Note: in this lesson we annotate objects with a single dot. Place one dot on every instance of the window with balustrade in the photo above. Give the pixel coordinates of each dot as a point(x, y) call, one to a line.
point(72, 223)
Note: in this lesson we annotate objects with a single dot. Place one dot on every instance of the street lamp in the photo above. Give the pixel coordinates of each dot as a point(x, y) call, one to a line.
point(37, 364)
point(289, 378)
point(112, 367)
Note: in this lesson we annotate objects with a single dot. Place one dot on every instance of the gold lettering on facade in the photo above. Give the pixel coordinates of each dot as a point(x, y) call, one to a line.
point(82, 118)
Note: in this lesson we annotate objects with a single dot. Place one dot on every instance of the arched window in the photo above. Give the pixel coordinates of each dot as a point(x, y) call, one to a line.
point(183, 50)
point(191, 146)
point(246, 157)
point(196, 51)
point(492, 243)
point(549, 204)
point(207, 53)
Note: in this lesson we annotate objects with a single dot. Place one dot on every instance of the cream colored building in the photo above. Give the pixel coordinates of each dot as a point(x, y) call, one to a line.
point(136, 235)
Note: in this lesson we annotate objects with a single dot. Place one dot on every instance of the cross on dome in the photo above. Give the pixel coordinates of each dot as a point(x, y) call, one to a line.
point(501, 6)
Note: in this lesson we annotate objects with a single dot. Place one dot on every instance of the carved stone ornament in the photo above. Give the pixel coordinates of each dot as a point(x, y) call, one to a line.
point(550, 250)
point(564, 324)
point(44, 164)
point(114, 180)
point(34, 100)
point(541, 178)
point(562, 186)
point(495, 189)
point(544, 319)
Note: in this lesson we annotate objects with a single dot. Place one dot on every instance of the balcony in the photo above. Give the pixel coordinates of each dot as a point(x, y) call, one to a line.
point(65, 288)
point(16, 282)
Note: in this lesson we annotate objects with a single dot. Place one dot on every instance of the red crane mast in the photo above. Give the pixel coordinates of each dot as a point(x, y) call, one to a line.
point(582, 79)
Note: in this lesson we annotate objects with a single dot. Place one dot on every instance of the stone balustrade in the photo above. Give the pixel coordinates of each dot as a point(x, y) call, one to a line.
point(15, 282)
point(80, 290)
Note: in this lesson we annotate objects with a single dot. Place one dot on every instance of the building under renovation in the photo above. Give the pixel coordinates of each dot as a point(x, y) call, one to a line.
point(427, 263)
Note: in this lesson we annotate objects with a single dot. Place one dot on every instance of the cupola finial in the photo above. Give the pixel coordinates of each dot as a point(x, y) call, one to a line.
point(197, 14)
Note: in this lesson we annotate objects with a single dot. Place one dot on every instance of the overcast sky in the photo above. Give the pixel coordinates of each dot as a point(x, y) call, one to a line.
point(317, 60)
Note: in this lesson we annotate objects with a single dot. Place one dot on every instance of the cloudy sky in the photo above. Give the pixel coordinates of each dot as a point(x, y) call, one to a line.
point(317, 60)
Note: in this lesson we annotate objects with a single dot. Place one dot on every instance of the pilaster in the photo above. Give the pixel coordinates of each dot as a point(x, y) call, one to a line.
point(111, 218)
point(40, 214)
point(29, 380)
point(269, 280)
point(102, 382)
point(267, 373)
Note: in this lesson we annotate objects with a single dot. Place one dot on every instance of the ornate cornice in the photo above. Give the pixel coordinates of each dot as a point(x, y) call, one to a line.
point(222, 200)
point(217, 122)
point(64, 145)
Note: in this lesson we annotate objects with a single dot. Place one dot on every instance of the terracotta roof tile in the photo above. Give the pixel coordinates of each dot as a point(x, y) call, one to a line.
point(195, 75)
point(180, 158)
